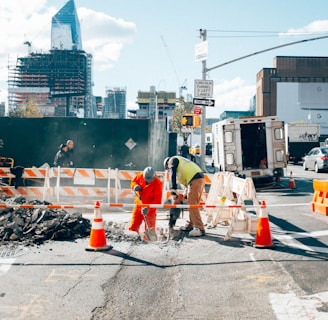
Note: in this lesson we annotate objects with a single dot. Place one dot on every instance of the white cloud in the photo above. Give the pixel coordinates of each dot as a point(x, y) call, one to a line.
point(319, 26)
point(233, 95)
point(104, 36)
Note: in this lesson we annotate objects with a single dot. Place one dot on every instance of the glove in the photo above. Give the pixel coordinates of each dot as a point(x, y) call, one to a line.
point(144, 211)
point(174, 193)
point(137, 188)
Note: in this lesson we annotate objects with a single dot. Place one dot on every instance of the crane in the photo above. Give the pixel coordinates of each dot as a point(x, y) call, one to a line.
point(183, 85)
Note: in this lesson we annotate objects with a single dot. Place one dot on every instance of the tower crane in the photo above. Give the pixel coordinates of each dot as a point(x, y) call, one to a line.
point(183, 85)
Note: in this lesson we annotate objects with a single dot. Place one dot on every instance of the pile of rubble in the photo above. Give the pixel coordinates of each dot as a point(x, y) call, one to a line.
point(35, 225)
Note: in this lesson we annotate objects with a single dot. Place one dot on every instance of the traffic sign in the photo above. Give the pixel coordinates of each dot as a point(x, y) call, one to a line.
point(203, 88)
point(201, 51)
point(204, 102)
point(197, 110)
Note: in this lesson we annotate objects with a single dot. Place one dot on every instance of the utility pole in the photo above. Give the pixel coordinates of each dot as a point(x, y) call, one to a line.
point(203, 122)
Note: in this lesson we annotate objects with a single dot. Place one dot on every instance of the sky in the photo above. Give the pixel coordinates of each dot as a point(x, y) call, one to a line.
point(141, 43)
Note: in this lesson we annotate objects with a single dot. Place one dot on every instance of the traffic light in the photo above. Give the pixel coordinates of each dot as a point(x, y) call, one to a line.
point(190, 120)
point(187, 120)
point(196, 121)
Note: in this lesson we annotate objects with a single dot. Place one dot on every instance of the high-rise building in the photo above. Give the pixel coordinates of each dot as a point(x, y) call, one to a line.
point(59, 83)
point(154, 104)
point(65, 28)
point(115, 103)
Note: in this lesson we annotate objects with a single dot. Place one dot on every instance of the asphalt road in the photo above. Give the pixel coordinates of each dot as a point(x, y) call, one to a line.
point(195, 278)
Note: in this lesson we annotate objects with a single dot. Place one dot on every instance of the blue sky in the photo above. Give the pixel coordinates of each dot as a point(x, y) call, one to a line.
point(139, 43)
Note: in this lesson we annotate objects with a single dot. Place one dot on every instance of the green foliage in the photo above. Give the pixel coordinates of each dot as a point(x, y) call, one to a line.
point(181, 108)
point(27, 109)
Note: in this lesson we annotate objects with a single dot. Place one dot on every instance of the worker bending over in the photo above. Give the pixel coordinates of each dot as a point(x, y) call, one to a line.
point(189, 174)
point(148, 188)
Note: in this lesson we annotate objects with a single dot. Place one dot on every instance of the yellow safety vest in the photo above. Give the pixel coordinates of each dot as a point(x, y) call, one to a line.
point(186, 170)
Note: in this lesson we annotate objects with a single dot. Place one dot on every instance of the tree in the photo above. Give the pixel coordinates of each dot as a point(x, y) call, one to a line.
point(27, 109)
point(181, 108)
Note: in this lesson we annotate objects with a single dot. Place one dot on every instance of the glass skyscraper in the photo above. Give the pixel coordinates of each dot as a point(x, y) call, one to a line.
point(65, 28)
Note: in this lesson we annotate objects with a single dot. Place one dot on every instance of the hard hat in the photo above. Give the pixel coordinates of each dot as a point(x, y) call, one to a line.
point(165, 162)
point(149, 174)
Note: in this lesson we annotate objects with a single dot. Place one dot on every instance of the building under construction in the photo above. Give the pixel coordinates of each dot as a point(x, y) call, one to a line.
point(58, 83)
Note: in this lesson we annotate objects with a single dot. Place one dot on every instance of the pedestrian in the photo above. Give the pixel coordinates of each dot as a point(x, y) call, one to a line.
point(61, 159)
point(184, 150)
point(191, 176)
point(70, 153)
point(148, 188)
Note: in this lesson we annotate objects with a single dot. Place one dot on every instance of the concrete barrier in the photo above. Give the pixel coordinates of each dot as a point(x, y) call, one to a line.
point(319, 202)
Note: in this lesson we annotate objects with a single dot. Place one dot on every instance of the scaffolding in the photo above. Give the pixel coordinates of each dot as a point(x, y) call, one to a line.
point(58, 83)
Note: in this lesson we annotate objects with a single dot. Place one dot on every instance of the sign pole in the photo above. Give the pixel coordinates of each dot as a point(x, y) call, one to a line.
point(203, 123)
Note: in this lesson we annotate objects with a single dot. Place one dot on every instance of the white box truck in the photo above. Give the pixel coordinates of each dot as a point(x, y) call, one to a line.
point(250, 147)
point(300, 139)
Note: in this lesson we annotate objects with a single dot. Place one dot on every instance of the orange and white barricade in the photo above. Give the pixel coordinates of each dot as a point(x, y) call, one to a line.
point(36, 175)
point(82, 182)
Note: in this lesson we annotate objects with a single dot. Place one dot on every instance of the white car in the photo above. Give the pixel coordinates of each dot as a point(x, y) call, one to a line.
point(316, 159)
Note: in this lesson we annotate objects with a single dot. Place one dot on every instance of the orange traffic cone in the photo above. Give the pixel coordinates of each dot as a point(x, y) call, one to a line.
point(292, 184)
point(263, 235)
point(97, 234)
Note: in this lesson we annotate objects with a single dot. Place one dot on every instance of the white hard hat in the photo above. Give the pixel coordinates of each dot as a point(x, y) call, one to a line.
point(165, 162)
point(149, 174)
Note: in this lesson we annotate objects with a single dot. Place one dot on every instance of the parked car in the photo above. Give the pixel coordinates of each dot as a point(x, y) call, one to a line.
point(316, 159)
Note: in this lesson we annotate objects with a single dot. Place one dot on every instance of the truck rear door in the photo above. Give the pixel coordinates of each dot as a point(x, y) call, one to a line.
point(230, 146)
point(279, 144)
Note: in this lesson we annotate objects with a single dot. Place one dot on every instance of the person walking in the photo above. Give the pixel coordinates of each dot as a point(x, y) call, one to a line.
point(70, 153)
point(148, 188)
point(189, 174)
point(184, 150)
point(61, 159)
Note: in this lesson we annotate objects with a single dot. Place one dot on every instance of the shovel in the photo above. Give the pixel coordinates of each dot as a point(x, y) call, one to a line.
point(150, 233)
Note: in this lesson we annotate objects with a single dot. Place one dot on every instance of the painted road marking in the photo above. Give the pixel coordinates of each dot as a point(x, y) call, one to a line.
point(5, 265)
point(290, 240)
point(288, 306)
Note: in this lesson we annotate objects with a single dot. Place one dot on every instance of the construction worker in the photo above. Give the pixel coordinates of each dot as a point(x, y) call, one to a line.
point(148, 189)
point(61, 159)
point(191, 176)
point(70, 153)
point(184, 150)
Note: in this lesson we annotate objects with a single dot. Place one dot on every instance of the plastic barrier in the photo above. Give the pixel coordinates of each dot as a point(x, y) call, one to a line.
point(82, 183)
point(40, 175)
point(234, 194)
point(319, 202)
point(5, 162)
point(85, 179)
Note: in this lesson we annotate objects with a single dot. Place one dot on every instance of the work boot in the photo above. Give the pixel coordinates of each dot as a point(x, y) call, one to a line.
point(187, 227)
point(196, 233)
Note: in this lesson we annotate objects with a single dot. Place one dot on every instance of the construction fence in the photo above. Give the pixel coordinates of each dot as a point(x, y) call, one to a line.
point(230, 200)
point(64, 184)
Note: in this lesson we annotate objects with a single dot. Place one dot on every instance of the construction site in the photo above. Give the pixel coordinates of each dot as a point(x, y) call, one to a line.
point(58, 82)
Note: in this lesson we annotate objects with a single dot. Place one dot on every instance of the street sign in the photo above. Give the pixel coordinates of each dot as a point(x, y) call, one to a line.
point(201, 51)
point(197, 110)
point(203, 88)
point(204, 102)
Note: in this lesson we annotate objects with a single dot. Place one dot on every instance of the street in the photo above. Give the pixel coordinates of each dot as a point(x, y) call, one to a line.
point(195, 278)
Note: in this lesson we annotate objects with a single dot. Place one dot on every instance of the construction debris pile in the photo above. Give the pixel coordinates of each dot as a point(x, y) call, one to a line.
point(35, 226)
point(29, 226)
